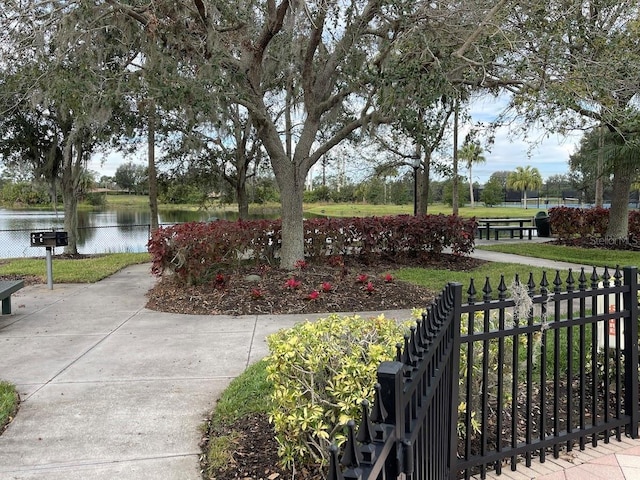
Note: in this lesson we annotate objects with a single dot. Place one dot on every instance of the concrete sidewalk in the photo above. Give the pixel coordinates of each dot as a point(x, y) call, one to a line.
point(111, 390)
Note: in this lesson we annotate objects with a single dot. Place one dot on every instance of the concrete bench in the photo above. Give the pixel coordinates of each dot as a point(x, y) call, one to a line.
point(512, 229)
point(7, 287)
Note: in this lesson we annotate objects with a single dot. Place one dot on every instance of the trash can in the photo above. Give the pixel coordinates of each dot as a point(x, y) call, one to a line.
point(542, 224)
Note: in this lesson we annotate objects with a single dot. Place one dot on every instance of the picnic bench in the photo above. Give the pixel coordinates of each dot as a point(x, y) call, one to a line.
point(511, 225)
point(512, 229)
point(7, 287)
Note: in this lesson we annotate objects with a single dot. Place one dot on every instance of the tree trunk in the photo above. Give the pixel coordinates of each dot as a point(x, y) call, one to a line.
point(619, 212)
point(70, 200)
point(243, 198)
point(424, 184)
point(454, 186)
point(151, 156)
point(292, 250)
point(471, 188)
point(290, 175)
point(524, 193)
point(599, 200)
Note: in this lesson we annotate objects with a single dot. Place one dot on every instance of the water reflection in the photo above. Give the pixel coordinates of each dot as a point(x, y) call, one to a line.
point(106, 231)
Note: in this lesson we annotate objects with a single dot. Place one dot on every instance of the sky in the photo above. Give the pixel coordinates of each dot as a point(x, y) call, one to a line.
point(549, 153)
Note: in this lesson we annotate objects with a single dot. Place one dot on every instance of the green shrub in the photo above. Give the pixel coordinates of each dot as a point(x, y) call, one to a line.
point(321, 372)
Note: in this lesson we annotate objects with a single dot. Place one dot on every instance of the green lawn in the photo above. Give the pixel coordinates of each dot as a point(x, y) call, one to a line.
point(248, 393)
point(584, 256)
point(86, 270)
point(8, 403)
point(334, 209)
point(437, 279)
point(364, 210)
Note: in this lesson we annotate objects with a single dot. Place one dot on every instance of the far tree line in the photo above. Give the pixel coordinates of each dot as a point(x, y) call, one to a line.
point(208, 191)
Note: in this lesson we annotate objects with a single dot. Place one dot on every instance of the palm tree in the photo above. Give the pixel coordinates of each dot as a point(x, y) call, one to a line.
point(524, 179)
point(471, 152)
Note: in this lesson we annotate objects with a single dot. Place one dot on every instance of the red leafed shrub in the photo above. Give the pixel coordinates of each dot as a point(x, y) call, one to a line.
point(634, 224)
point(196, 252)
point(567, 222)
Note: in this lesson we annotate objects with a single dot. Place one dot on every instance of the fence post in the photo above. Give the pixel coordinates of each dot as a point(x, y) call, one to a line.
point(390, 377)
point(630, 299)
point(455, 379)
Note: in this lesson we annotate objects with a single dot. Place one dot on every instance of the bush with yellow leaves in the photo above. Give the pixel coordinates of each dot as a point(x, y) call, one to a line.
point(321, 372)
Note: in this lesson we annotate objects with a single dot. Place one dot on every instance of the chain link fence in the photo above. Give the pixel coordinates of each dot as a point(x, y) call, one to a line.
point(15, 243)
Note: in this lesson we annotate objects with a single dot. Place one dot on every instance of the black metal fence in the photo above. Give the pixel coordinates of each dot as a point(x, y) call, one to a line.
point(502, 379)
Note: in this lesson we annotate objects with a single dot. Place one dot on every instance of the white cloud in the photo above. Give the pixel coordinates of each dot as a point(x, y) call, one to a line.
point(549, 153)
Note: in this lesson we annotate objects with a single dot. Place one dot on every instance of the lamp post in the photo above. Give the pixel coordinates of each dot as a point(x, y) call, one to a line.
point(416, 166)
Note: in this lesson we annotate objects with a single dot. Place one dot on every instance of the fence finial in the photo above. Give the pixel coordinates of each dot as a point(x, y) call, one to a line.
point(487, 291)
point(617, 276)
point(335, 472)
point(531, 284)
point(582, 280)
point(502, 288)
point(422, 332)
point(413, 344)
point(594, 278)
point(544, 283)
point(471, 292)
point(557, 283)
point(379, 413)
point(408, 358)
point(351, 457)
point(570, 281)
point(606, 277)
point(398, 352)
point(365, 430)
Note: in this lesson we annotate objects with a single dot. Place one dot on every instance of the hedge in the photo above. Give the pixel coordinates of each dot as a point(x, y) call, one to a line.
point(567, 222)
point(196, 251)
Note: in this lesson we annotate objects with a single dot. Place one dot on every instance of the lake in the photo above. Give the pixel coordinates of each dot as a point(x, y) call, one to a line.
point(105, 231)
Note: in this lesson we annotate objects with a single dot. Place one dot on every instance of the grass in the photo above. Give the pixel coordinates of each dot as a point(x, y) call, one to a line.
point(436, 279)
point(364, 210)
point(248, 393)
point(583, 256)
point(86, 270)
point(8, 403)
point(332, 209)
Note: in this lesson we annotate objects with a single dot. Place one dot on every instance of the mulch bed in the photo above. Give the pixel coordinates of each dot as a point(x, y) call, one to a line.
point(264, 290)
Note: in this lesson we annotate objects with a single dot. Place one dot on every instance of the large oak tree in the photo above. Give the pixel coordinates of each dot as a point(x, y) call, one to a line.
point(306, 71)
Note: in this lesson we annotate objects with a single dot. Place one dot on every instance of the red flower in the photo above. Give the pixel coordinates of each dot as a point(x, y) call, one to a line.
point(256, 293)
point(388, 278)
point(326, 287)
point(313, 295)
point(362, 278)
point(369, 288)
point(292, 284)
point(300, 264)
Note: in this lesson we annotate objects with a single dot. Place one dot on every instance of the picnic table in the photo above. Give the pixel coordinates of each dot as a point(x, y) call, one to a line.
point(505, 224)
point(7, 287)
